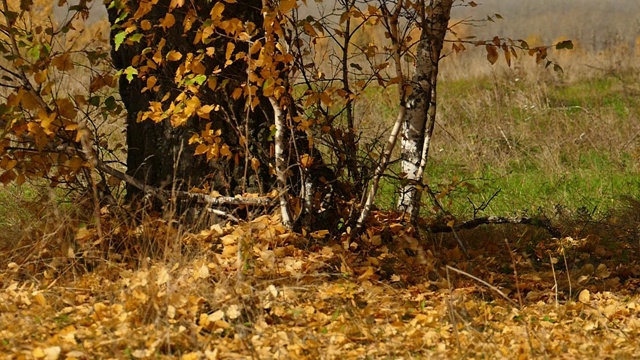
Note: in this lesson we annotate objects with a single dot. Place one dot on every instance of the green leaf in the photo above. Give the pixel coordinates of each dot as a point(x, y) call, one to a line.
point(34, 52)
point(94, 100)
point(121, 17)
point(119, 39)
point(136, 37)
point(130, 72)
point(110, 103)
point(567, 44)
point(200, 79)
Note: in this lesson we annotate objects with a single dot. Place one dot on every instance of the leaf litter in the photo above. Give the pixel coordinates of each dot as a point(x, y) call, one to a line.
point(256, 290)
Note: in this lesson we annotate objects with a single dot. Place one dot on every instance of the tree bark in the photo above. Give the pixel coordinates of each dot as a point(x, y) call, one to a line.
point(158, 153)
point(416, 124)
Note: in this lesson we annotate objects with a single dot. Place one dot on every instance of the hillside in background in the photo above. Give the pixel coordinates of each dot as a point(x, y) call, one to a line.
point(595, 24)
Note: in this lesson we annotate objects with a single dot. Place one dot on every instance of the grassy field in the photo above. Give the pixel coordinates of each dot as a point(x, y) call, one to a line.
point(543, 141)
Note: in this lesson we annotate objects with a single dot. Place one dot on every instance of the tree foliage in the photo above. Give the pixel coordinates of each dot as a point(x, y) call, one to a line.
point(229, 98)
point(55, 87)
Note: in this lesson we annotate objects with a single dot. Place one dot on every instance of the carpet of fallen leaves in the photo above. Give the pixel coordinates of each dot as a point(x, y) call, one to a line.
point(256, 290)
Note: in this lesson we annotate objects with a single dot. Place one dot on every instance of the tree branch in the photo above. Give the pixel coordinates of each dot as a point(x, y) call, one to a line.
point(495, 220)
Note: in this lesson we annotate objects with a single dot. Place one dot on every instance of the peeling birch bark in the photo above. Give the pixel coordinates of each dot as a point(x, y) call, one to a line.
point(281, 164)
point(418, 123)
point(426, 145)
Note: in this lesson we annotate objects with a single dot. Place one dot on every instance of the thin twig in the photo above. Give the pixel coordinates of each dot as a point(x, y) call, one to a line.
point(495, 289)
point(566, 266)
point(454, 322)
point(555, 281)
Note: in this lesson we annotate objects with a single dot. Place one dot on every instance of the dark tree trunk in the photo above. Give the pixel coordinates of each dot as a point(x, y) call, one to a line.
point(158, 153)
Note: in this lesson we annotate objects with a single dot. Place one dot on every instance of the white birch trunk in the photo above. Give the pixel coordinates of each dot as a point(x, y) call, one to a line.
point(281, 164)
point(419, 120)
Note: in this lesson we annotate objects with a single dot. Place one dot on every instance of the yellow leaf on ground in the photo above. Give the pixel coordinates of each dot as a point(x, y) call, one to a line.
point(584, 296)
point(168, 21)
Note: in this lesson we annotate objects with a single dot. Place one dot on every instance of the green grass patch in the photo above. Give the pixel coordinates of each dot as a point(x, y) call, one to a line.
point(537, 158)
point(594, 184)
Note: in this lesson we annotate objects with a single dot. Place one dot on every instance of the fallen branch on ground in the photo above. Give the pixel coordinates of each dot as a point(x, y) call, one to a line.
point(164, 195)
point(495, 220)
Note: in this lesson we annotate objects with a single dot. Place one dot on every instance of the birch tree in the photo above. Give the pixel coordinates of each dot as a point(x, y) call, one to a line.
point(419, 119)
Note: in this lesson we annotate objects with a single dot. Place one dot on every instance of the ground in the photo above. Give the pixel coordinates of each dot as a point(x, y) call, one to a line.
point(256, 290)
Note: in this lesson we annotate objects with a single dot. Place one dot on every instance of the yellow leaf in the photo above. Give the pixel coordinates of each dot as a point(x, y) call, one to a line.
point(367, 274)
point(255, 164)
point(75, 163)
point(584, 296)
point(38, 353)
point(225, 151)
point(151, 82)
point(203, 272)
point(168, 21)
point(163, 276)
point(40, 299)
point(218, 315)
point(204, 111)
point(145, 25)
point(306, 161)
point(286, 5)
point(255, 47)
point(176, 3)
point(198, 68)
point(229, 251)
point(83, 234)
point(309, 30)
point(216, 12)
point(29, 101)
point(190, 356)
point(46, 121)
point(174, 55)
point(201, 149)
point(8, 164)
point(230, 48)
point(212, 83)
point(40, 77)
point(179, 119)
point(66, 108)
point(319, 234)
point(237, 92)
point(325, 98)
